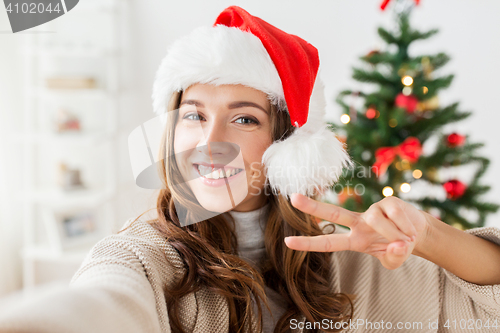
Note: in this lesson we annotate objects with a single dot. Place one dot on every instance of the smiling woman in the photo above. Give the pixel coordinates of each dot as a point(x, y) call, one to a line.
point(234, 114)
point(212, 128)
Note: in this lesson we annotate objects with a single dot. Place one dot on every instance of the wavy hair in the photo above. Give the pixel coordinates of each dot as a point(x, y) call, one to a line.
point(209, 251)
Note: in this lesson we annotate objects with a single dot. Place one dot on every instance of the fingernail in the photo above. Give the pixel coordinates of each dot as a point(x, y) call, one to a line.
point(399, 250)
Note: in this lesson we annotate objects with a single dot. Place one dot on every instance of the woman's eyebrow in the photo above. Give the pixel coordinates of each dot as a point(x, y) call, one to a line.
point(233, 105)
point(192, 102)
point(243, 104)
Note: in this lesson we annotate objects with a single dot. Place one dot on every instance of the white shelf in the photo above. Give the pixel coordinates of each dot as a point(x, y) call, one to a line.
point(59, 198)
point(42, 55)
point(49, 254)
point(58, 94)
point(79, 139)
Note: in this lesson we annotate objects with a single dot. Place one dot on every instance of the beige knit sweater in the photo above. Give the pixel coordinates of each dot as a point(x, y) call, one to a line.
point(118, 289)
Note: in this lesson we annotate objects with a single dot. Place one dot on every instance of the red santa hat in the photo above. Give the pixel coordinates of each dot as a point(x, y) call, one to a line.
point(243, 49)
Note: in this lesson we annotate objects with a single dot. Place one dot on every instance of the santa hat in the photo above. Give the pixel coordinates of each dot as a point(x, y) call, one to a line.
point(243, 49)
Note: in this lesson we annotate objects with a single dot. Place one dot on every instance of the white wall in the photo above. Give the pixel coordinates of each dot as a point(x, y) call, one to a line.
point(342, 30)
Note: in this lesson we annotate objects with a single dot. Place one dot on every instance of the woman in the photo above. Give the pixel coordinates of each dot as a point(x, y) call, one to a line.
point(236, 247)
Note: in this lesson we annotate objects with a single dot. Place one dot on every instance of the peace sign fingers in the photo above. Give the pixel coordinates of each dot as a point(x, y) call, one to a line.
point(323, 243)
point(323, 210)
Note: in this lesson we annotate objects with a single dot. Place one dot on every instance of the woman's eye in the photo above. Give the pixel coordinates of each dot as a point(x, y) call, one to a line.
point(196, 115)
point(248, 119)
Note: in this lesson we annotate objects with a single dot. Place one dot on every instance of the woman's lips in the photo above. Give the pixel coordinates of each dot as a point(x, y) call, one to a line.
point(215, 182)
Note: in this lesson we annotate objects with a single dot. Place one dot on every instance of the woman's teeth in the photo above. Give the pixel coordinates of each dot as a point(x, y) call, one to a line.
point(217, 174)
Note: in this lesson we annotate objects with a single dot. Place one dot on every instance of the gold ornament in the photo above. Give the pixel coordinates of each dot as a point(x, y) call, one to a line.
point(430, 104)
point(431, 173)
point(405, 164)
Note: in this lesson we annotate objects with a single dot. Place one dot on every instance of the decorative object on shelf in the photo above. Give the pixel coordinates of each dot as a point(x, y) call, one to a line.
point(66, 121)
point(70, 228)
point(69, 179)
point(70, 82)
point(73, 79)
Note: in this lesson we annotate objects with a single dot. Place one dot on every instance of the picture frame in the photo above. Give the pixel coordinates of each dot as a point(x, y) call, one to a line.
point(71, 228)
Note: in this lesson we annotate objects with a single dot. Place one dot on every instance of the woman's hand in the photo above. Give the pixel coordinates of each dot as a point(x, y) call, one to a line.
point(389, 230)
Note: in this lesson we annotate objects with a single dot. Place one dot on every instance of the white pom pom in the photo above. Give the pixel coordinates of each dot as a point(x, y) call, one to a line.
point(306, 161)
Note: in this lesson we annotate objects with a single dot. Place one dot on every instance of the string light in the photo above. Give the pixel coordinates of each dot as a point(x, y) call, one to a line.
point(393, 122)
point(417, 174)
point(345, 119)
point(387, 191)
point(425, 90)
point(405, 187)
point(371, 113)
point(407, 80)
point(407, 91)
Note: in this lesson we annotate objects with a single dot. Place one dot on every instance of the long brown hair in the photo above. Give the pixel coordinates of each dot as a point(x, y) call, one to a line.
point(209, 251)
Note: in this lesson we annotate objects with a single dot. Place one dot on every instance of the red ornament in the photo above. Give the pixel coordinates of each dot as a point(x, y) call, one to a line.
point(386, 2)
point(373, 52)
point(410, 149)
point(408, 102)
point(346, 193)
point(454, 189)
point(455, 140)
point(371, 113)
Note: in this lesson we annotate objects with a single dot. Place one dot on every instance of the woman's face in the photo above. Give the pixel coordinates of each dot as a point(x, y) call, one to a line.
point(220, 136)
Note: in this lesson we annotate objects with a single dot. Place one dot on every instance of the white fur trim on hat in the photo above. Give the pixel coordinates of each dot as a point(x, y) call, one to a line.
point(310, 159)
point(216, 55)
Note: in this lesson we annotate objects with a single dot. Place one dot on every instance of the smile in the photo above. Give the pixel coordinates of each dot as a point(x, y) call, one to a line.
point(208, 173)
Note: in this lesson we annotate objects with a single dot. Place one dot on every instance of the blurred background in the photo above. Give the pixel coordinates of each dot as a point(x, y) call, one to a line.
point(72, 90)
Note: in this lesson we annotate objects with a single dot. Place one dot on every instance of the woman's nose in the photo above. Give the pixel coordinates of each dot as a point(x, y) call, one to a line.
point(214, 131)
point(215, 140)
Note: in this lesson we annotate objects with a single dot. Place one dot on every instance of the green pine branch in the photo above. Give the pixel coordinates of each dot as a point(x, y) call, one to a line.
point(373, 77)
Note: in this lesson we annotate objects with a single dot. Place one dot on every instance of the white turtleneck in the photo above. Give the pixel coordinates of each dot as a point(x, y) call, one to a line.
point(249, 228)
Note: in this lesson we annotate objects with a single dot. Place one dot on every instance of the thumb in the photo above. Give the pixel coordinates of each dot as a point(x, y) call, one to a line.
point(396, 254)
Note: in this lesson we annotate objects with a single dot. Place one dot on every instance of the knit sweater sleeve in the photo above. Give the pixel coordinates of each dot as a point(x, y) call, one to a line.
point(465, 300)
point(419, 292)
point(111, 292)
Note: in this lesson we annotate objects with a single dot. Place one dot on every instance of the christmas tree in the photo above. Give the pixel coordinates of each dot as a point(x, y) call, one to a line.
point(386, 132)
